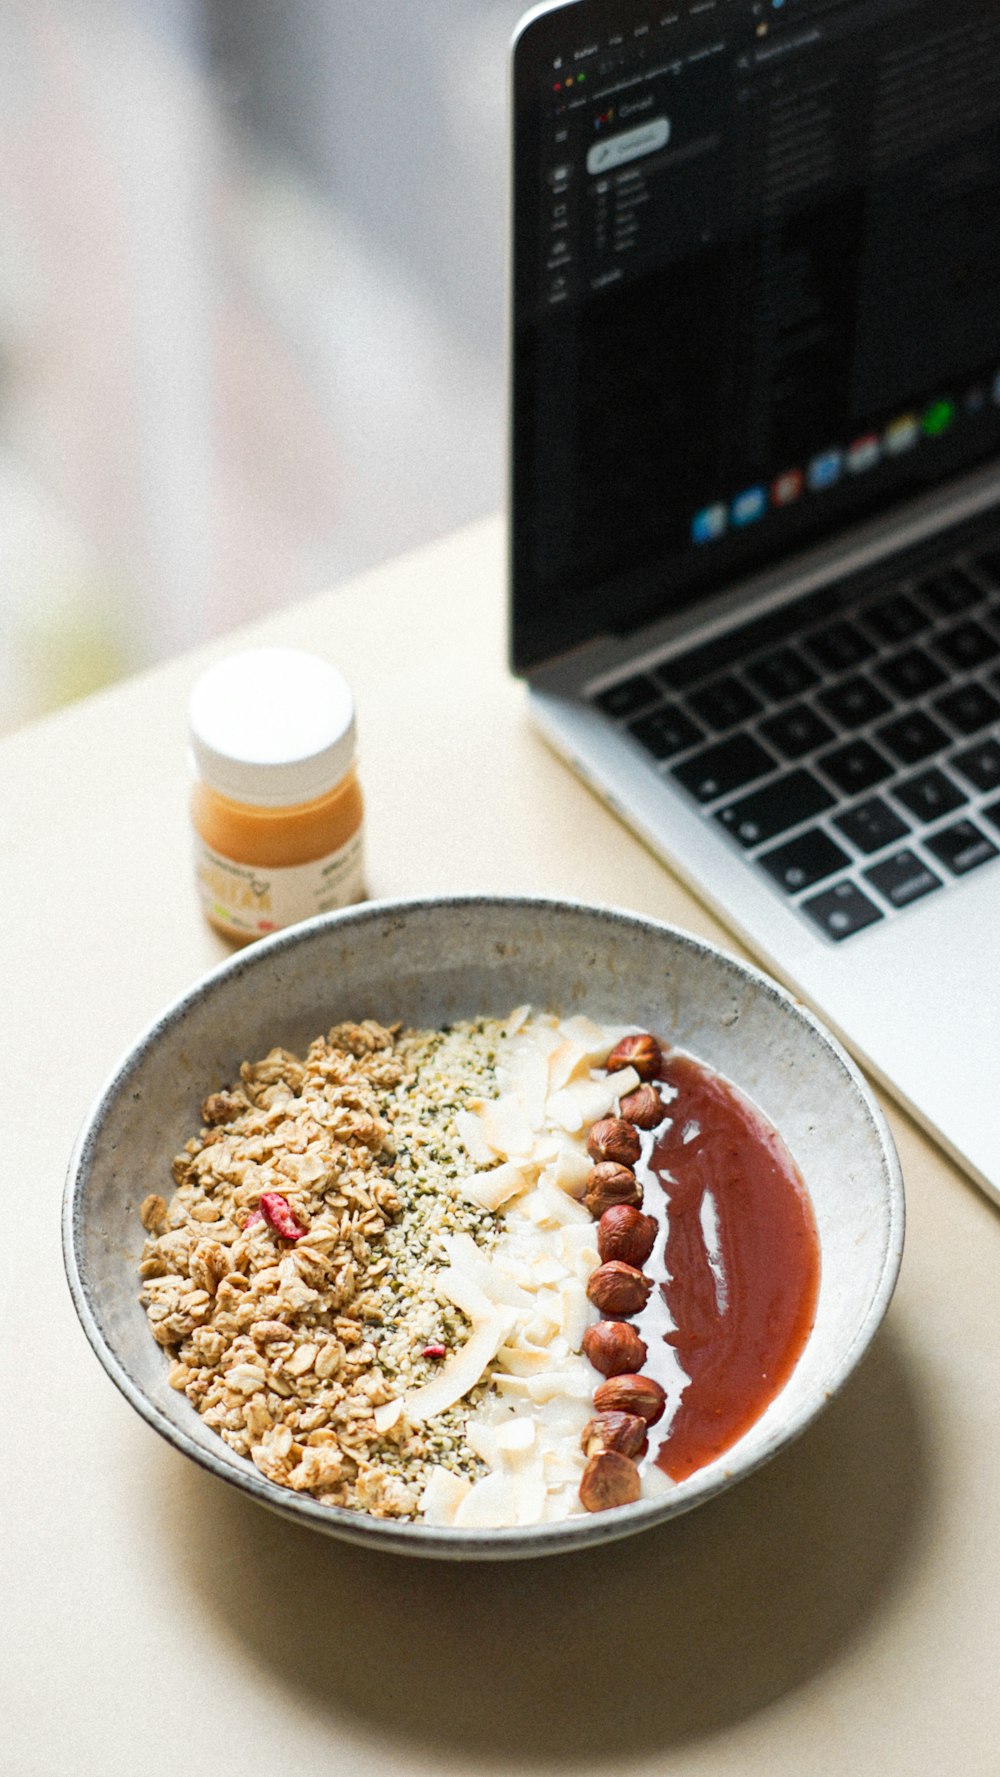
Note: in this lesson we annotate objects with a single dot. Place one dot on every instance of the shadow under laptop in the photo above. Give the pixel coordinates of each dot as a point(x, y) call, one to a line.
point(666, 1637)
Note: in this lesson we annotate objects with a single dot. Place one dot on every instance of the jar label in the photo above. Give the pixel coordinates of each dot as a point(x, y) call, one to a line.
point(251, 900)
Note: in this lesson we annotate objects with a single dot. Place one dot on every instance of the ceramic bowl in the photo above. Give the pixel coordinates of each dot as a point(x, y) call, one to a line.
point(431, 962)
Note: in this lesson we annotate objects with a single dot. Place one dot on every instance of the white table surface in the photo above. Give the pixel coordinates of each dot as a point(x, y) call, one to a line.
point(838, 1613)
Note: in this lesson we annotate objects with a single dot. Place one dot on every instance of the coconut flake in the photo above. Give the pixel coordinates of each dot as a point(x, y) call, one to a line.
point(516, 1437)
point(470, 1130)
point(490, 1504)
point(576, 1312)
point(442, 1496)
point(505, 1127)
point(565, 1062)
point(525, 1071)
point(484, 1276)
point(455, 1285)
point(574, 1382)
point(459, 1373)
point(517, 1019)
point(584, 1101)
point(570, 1169)
point(597, 1039)
point(524, 1359)
point(387, 1416)
point(492, 1189)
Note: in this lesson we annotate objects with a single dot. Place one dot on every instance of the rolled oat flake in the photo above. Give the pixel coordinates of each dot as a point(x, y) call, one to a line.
point(276, 806)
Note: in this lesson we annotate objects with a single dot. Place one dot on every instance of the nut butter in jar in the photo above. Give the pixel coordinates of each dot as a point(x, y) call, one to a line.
point(276, 806)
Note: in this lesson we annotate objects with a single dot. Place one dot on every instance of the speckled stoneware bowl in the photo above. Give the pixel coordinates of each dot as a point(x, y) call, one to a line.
point(427, 963)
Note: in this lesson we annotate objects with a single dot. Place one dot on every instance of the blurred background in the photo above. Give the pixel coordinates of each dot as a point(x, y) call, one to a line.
point(251, 311)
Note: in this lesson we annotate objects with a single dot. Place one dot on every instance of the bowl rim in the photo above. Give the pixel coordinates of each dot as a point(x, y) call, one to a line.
point(407, 1536)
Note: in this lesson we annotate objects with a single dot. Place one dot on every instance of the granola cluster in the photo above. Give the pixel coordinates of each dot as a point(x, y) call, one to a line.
point(290, 1278)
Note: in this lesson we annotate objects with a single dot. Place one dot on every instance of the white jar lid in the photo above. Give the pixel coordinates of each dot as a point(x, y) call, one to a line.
point(272, 727)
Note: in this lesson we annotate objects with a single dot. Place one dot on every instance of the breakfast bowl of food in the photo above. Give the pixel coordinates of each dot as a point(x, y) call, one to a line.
point(482, 1227)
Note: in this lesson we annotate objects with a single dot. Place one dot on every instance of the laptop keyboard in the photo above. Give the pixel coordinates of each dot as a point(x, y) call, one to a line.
point(855, 761)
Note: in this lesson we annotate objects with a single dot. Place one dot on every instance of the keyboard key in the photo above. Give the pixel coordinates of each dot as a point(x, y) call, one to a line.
point(929, 795)
point(969, 708)
point(949, 593)
point(855, 701)
point(992, 813)
point(967, 645)
point(782, 674)
point(726, 766)
point(895, 619)
point(871, 825)
point(627, 697)
point(911, 673)
point(724, 703)
point(804, 860)
point(902, 878)
point(839, 646)
point(796, 731)
point(855, 767)
point(962, 847)
point(980, 766)
point(787, 802)
point(842, 910)
point(989, 563)
point(706, 661)
point(666, 731)
point(913, 737)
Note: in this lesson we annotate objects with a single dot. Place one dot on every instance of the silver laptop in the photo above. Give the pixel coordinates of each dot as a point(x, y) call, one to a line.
point(755, 487)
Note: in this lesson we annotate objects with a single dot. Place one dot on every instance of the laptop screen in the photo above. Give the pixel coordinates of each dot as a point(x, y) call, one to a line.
point(756, 288)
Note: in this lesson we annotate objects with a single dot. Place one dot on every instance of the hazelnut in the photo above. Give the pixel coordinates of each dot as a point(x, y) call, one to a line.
point(615, 1349)
point(624, 1432)
point(609, 1479)
point(614, 1139)
point(643, 1107)
point(610, 1183)
point(615, 1288)
point(624, 1393)
point(625, 1233)
point(641, 1051)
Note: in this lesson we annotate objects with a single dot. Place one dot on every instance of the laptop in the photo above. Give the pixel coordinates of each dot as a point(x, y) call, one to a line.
point(755, 488)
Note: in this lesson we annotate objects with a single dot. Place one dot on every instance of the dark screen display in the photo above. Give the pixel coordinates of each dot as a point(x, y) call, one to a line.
point(756, 270)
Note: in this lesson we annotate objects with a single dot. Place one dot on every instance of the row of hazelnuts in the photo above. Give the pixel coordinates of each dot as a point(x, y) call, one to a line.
point(626, 1403)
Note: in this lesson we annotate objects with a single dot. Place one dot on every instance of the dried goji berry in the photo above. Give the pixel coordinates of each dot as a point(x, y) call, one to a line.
point(434, 1351)
point(277, 1211)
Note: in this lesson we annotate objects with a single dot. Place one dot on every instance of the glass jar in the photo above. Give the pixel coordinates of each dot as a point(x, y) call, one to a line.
point(276, 807)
